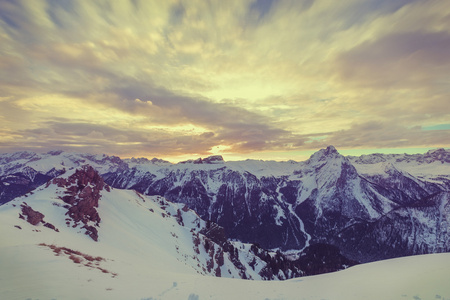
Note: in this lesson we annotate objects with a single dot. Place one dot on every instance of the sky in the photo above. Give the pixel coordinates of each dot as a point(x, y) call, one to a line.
point(264, 79)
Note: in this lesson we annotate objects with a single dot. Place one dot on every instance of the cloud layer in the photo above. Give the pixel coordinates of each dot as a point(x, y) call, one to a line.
point(176, 79)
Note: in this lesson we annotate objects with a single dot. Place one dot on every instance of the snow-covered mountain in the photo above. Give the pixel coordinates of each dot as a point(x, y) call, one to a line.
point(371, 207)
point(326, 199)
point(77, 209)
point(76, 237)
point(21, 172)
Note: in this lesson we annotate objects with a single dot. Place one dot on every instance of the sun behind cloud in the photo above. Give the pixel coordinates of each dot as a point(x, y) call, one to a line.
point(256, 79)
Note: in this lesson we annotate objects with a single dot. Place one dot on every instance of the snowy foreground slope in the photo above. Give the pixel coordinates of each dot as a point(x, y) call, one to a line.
point(29, 271)
point(77, 238)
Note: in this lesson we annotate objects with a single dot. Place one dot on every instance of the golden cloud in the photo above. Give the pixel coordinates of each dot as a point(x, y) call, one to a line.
point(180, 77)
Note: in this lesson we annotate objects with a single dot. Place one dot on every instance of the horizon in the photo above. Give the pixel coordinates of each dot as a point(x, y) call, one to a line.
point(304, 155)
point(258, 79)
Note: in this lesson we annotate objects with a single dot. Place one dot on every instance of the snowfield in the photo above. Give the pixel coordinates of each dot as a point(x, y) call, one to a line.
point(29, 271)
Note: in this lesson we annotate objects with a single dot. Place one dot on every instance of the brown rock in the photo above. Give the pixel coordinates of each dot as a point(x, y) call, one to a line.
point(83, 192)
point(33, 217)
point(51, 226)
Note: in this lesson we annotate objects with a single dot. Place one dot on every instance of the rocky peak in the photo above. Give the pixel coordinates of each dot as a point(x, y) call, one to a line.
point(331, 169)
point(198, 161)
point(438, 155)
point(330, 150)
point(155, 160)
point(82, 194)
point(144, 160)
point(214, 159)
point(83, 176)
point(324, 155)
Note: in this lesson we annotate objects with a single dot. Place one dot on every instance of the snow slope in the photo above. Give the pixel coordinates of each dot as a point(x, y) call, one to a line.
point(29, 271)
point(47, 231)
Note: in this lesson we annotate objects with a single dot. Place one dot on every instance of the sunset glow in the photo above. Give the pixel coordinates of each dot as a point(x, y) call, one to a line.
point(260, 79)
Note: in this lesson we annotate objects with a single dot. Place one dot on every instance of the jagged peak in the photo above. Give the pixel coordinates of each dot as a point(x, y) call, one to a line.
point(82, 192)
point(324, 154)
point(436, 151)
point(79, 178)
point(144, 160)
point(158, 160)
point(214, 159)
point(330, 149)
point(440, 154)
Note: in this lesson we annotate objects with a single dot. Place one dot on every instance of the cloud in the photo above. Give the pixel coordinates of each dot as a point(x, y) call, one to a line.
point(63, 134)
point(402, 60)
point(374, 134)
point(185, 77)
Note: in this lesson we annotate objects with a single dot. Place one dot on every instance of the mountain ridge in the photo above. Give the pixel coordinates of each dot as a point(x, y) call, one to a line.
point(79, 203)
point(329, 197)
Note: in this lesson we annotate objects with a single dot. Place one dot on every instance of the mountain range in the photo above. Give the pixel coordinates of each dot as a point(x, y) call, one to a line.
point(370, 207)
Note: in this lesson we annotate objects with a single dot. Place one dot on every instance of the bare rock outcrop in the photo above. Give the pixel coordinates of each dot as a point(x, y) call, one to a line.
point(32, 216)
point(83, 192)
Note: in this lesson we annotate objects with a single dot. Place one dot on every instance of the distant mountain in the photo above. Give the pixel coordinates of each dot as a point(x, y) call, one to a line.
point(370, 207)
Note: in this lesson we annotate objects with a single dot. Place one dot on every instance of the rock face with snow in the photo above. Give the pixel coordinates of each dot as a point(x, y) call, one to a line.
point(326, 199)
point(21, 172)
point(81, 197)
point(370, 207)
